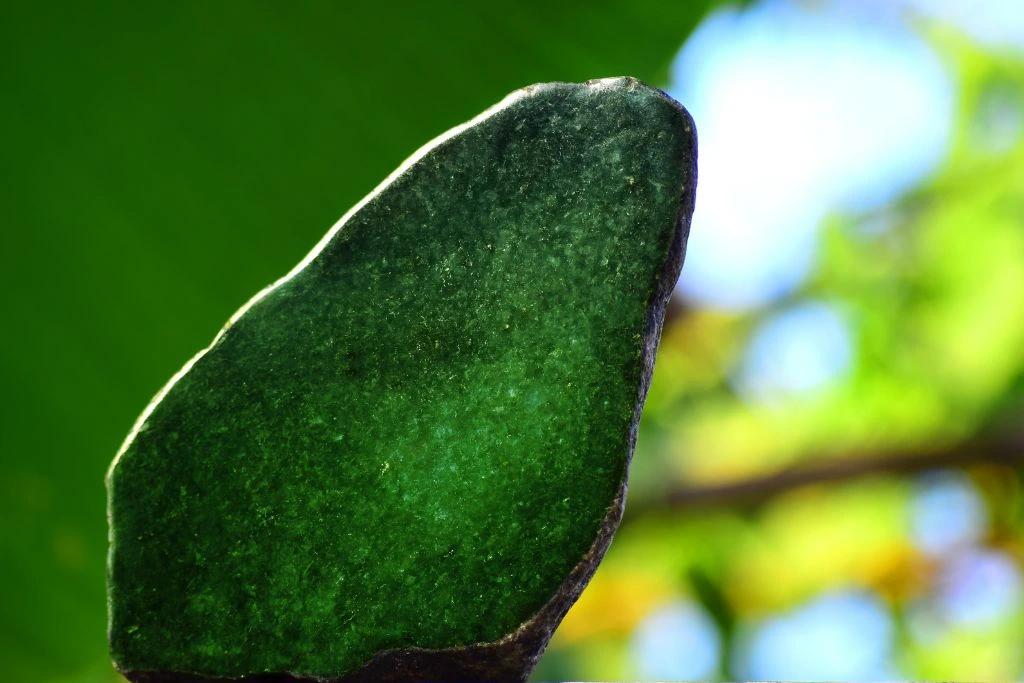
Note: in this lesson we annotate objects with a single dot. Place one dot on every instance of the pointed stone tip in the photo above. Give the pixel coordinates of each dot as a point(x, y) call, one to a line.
point(611, 83)
point(630, 85)
point(624, 82)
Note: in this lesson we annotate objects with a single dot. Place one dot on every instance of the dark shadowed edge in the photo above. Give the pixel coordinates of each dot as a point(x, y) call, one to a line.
point(513, 657)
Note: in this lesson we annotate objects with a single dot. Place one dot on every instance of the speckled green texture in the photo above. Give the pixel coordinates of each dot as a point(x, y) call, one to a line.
point(414, 438)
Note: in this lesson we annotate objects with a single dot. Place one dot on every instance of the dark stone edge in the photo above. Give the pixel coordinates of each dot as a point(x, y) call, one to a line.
point(512, 658)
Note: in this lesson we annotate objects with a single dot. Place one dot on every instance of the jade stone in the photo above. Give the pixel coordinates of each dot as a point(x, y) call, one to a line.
point(404, 459)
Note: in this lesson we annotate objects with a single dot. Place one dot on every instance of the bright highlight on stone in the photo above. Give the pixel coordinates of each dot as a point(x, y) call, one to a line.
point(404, 460)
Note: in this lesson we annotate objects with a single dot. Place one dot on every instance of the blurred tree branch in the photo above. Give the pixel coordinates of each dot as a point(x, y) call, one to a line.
point(1005, 447)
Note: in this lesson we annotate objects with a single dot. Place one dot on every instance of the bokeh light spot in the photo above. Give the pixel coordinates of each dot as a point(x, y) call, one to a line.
point(980, 588)
point(947, 513)
point(795, 352)
point(839, 636)
point(677, 642)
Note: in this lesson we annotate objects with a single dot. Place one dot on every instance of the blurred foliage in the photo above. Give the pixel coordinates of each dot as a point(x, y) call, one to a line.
point(163, 162)
point(932, 290)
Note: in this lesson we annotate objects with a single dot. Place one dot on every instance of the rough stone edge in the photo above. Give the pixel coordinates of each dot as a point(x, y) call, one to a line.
point(514, 657)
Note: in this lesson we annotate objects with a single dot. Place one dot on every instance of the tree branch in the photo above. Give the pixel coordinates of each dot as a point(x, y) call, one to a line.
point(1006, 448)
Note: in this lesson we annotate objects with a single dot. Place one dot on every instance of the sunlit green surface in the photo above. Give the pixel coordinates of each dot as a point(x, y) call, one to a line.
point(413, 439)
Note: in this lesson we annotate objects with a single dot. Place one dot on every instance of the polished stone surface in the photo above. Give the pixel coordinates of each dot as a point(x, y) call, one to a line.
point(419, 438)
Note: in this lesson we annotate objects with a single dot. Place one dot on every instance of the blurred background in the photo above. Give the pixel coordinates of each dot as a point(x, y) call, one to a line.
point(828, 479)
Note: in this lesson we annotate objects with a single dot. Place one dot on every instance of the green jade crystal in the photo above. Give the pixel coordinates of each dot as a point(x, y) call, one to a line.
point(403, 460)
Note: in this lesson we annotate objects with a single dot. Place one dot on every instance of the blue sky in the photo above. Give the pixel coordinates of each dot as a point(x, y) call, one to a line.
point(801, 110)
